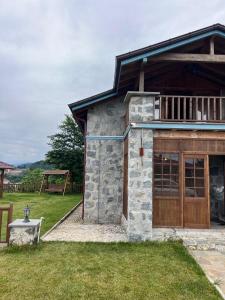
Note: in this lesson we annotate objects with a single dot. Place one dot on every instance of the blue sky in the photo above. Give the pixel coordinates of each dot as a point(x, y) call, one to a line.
point(54, 52)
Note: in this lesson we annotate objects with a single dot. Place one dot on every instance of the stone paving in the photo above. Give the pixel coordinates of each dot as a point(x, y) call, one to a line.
point(73, 230)
point(213, 264)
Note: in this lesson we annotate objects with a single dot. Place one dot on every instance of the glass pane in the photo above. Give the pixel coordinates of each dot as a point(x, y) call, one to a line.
point(166, 169)
point(174, 169)
point(199, 172)
point(174, 192)
point(158, 169)
point(200, 192)
point(174, 158)
point(189, 182)
point(199, 182)
point(157, 158)
point(189, 172)
point(174, 180)
point(166, 157)
point(189, 192)
point(166, 180)
point(157, 190)
point(169, 191)
point(189, 163)
point(158, 180)
point(199, 163)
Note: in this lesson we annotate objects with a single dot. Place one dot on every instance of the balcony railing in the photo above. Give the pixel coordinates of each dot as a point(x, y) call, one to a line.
point(189, 108)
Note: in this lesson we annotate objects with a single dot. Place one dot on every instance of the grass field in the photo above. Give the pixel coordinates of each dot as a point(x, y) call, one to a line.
point(50, 206)
point(60, 270)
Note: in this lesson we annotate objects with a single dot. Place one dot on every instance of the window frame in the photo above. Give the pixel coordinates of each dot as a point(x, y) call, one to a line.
point(195, 178)
point(162, 175)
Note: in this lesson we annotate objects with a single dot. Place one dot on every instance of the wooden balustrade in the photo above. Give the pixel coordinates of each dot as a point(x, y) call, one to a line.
point(189, 108)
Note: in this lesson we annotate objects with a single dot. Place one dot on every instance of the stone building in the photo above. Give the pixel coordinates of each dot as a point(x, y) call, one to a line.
point(153, 142)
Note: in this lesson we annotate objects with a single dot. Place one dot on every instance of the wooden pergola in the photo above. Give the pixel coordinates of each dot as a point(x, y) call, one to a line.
point(52, 187)
point(3, 167)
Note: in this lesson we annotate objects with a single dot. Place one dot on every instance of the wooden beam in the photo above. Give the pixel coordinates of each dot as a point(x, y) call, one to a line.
point(142, 81)
point(188, 57)
point(1, 183)
point(142, 76)
point(212, 52)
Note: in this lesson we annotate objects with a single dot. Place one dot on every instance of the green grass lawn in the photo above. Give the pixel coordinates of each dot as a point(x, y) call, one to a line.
point(50, 206)
point(57, 270)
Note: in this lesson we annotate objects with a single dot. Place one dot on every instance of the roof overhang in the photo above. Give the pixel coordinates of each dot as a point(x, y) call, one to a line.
point(146, 54)
point(5, 166)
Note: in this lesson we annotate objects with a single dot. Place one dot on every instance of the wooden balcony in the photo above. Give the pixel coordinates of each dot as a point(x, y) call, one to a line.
point(189, 108)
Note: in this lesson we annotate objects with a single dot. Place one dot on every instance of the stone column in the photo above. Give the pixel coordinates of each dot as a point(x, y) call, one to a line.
point(139, 225)
point(139, 220)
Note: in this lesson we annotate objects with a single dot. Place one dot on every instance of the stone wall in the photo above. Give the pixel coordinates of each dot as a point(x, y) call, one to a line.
point(103, 182)
point(107, 118)
point(141, 108)
point(104, 161)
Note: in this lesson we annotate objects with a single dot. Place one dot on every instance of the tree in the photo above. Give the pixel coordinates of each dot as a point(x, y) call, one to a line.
point(67, 149)
point(32, 177)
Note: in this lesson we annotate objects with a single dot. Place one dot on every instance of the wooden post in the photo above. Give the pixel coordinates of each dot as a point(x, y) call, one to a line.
point(141, 81)
point(65, 184)
point(42, 184)
point(142, 76)
point(9, 220)
point(47, 183)
point(212, 50)
point(1, 183)
point(0, 224)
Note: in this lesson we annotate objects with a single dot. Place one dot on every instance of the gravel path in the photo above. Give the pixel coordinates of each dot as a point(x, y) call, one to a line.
point(72, 229)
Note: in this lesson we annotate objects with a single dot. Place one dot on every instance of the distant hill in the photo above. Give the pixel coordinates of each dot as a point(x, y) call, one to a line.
point(41, 164)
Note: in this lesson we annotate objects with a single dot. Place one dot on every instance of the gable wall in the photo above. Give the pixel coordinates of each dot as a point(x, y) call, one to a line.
point(104, 161)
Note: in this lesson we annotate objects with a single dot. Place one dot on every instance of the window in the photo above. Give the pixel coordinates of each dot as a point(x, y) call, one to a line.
point(166, 174)
point(194, 177)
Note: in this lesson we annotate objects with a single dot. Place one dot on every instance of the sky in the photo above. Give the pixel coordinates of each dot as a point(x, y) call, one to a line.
point(54, 52)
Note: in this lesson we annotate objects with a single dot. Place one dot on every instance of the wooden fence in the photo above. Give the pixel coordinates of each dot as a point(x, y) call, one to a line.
point(5, 219)
point(31, 188)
